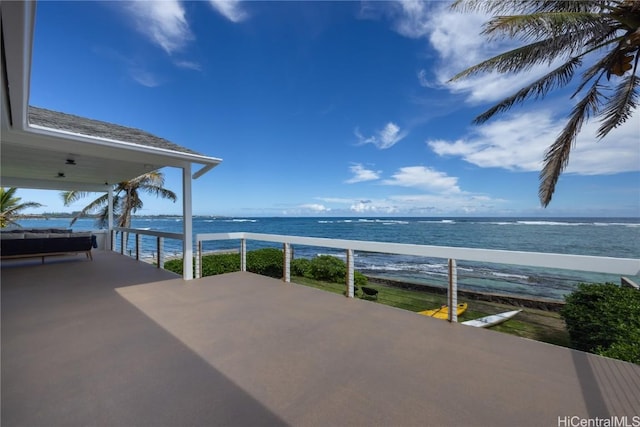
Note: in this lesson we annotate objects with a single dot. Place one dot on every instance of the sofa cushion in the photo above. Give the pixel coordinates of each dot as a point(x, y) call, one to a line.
point(12, 236)
point(59, 235)
point(31, 235)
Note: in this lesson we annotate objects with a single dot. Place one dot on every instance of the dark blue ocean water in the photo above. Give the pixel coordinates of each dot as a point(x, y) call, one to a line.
point(612, 237)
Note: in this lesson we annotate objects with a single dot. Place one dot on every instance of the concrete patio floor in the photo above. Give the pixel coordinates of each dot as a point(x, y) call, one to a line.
point(117, 342)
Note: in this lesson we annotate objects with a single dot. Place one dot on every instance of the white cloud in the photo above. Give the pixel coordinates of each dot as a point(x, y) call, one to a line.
point(616, 153)
point(189, 65)
point(339, 200)
point(424, 178)
point(445, 202)
point(230, 9)
point(422, 78)
point(315, 207)
point(144, 77)
point(419, 204)
point(519, 142)
point(435, 204)
point(163, 22)
point(412, 18)
point(370, 207)
point(385, 138)
point(361, 174)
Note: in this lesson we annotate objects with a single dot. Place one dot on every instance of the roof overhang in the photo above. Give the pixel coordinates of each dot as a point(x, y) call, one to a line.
point(34, 156)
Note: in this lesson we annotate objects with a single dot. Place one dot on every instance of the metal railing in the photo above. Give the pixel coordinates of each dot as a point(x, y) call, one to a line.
point(159, 253)
point(597, 264)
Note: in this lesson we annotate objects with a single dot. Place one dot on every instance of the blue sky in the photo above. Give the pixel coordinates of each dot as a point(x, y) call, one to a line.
point(323, 108)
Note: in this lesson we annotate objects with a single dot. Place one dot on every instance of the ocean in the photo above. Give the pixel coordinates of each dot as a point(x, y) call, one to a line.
point(611, 237)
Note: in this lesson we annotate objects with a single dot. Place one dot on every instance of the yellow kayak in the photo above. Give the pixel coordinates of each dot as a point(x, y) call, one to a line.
point(443, 312)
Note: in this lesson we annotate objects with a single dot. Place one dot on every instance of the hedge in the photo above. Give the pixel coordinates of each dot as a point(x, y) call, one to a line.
point(604, 319)
point(268, 262)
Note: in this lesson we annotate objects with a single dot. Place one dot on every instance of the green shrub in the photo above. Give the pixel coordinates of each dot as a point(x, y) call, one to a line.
point(328, 268)
point(360, 279)
point(220, 264)
point(604, 319)
point(301, 267)
point(267, 262)
point(627, 350)
point(174, 265)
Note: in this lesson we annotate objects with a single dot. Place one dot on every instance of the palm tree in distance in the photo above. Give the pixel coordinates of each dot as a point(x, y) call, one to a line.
point(126, 199)
point(569, 31)
point(11, 208)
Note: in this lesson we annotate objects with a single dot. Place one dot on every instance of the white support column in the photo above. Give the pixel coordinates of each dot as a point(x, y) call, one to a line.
point(109, 242)
point(243, 255)
point(287, 263)
point(350, 273)
point(187, 220)
point(453, 291)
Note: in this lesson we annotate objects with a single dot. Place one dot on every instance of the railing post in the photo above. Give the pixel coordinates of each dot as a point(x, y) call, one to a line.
point(286, 249)
point(243, 255)
point(112, 242)
point(160, 252)
point(137, 246)
point(453, 291)
point(350, 274)
point(199, 259)
point(122, 233)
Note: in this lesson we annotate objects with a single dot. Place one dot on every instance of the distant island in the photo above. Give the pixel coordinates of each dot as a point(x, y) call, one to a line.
point(61, 215)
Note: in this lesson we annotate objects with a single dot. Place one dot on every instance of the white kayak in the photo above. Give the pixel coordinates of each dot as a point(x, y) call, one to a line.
point(494, 319)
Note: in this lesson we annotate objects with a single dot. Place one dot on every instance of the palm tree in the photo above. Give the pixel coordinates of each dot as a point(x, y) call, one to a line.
point(10, 207)
point(126, 199)
point(606, 33)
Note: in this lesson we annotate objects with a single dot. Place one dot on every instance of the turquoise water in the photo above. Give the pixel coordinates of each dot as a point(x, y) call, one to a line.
point(612, 237)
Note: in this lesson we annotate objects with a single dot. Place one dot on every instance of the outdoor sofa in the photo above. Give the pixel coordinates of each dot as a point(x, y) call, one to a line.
point(23, 243)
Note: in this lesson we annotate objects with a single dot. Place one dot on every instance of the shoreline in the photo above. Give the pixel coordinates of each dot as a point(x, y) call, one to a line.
point(512, 300)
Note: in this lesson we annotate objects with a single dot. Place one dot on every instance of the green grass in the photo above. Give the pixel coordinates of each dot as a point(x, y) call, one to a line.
point(534, 324)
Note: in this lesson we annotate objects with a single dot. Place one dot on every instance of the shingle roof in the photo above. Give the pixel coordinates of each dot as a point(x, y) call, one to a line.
point(95, 128)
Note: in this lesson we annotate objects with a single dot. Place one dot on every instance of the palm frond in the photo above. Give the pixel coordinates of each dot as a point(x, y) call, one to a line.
point(150, 178)
point(70, 197)
point(14, 211)
point(619, 107)
point(542, 25)
point(7, 195)
point(525, 57)
point(159, 191)
point(531, 6)
point(126, 198)
point(559, 77)
point(102, 219)
point(91, 208)
point(597, 69)
point(557, 156)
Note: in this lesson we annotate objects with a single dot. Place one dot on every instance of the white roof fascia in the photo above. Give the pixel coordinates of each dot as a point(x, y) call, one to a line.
point(111, 143)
